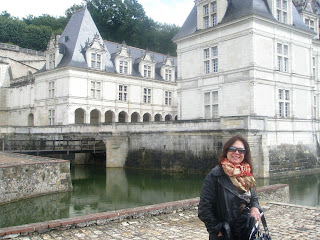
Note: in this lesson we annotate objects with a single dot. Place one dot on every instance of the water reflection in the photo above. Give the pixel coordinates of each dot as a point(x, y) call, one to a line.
point(97, 189)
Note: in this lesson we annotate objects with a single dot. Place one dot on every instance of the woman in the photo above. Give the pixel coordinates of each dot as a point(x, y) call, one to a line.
point(228, 190)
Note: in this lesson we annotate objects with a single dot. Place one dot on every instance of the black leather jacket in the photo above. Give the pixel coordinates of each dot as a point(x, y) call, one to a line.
point(220, 201)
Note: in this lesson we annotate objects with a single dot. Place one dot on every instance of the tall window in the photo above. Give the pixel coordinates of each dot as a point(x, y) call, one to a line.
point(168, 98)
point(96, 61)
point(282, 11)
point(147, 95)
point(168, 74)
point(284, 103)
point(211, 106)
point(211, 60)
point(52, 61)
point(147, 71)
point(210, 15)
point(282, 57)
point(95, 89)
point(123, 93)
point(51, 89)
point(309, 23)
point(314, 67)
point(314, 106)
point(51, 117)
point(123, 67)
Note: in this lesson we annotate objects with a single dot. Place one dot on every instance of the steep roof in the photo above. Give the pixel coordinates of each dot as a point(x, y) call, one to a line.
point(238, 9)
point(79, 30)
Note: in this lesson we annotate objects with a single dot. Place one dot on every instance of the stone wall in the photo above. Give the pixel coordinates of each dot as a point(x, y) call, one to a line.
point(287, 159)
point(24, 180)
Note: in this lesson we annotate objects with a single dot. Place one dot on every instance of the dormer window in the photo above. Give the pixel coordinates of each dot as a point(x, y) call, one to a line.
point(147, 71)
point(146, 66)
point(309, 23)
point(168, 75)
point(282, 11)
point(210, 15)
point(95, 54)
point(96, 61)
point(123, 60)
point(53, 55)
point(123, 67)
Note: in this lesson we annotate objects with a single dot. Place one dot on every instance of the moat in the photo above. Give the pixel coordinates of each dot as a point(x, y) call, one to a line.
point(96, 189)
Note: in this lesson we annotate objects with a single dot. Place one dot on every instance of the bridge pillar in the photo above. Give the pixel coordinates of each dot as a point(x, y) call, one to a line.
point(117, 148)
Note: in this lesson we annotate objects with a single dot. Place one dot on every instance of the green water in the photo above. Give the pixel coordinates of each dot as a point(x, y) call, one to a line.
point(97, 189)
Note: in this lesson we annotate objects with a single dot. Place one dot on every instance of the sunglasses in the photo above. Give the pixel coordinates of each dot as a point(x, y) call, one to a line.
point(234, 149)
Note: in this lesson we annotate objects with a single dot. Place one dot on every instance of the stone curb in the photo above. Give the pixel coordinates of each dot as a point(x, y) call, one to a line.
point(99, 218)
point(112, 216)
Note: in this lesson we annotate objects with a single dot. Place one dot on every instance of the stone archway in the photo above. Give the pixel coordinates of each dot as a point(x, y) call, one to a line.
point(122, 117)
point(109, 117)
point(94, 117)
point(146, 117)
point(168, 118)
point(135, 117)
point(31, 120)
point(79, 116)
point(158, 118)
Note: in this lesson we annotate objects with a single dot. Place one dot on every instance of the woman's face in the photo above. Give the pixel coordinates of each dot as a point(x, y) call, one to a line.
point(236, 157)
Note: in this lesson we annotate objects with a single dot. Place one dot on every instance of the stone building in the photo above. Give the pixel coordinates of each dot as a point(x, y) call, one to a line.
point(85, 80)
point(254, 65)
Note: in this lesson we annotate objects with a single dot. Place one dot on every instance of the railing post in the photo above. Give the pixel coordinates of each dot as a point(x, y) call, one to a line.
point(37, 145)
point(67, 146)
point(94, 146)
point(53, 143)
point(3, 144)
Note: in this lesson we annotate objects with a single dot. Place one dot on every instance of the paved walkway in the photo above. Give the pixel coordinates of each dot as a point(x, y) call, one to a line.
point(285, 221)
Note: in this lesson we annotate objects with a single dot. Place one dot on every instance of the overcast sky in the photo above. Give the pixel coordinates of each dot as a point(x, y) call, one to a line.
point(164, 11)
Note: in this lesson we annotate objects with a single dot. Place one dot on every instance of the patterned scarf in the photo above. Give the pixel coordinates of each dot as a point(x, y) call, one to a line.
point(239, 174)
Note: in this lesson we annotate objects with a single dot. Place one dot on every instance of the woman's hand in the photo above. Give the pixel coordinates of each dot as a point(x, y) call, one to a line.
point(254, 212)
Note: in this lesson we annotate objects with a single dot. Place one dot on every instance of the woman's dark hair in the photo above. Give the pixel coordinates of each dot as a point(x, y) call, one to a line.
point(247, 155)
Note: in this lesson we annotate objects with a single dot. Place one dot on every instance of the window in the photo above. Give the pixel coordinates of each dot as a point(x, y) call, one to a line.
point(51, 89)
point(211, 106)
point(147, 71)
point(51, 117)
point(282, 57)
point(95, 89)
point(314, 67)
point(147, 95)
point(123, 93)
point(52, 61)
point(168, 74)
point(210, 16)
point(96, 61)
point(211, 60)
point(309, 23)
point(123, 67)
point(282, 11)
point(314, 106)
point(284, 103)
point(168, 98)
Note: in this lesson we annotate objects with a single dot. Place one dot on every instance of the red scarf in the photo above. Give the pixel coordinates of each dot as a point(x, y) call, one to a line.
point(239, 174)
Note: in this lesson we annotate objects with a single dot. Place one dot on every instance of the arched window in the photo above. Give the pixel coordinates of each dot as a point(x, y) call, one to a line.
point(158, 118)
point(123, 117)
point(30, 120)
point(79, 116)
point(94, 117)
point(168, 118)
point(109, 117)
point(135, 117)
point(146, 117)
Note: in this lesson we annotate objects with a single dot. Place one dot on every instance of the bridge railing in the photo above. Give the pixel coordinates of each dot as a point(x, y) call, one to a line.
point(45, 145)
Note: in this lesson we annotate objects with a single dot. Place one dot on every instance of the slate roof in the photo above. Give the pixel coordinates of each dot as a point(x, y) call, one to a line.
point(81, 30)
point(238, 9)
